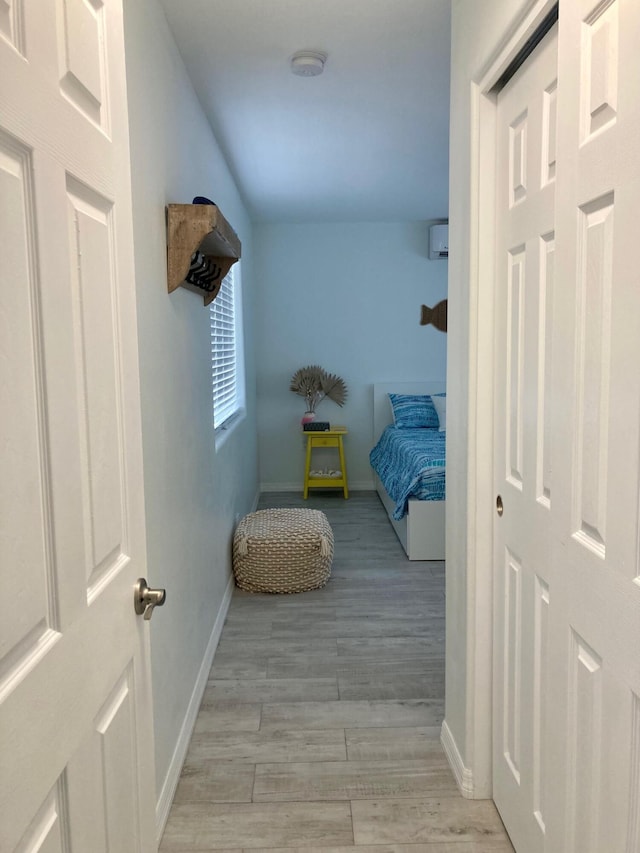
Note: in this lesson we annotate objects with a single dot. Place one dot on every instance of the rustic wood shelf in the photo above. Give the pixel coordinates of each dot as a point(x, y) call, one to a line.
point(199, 228)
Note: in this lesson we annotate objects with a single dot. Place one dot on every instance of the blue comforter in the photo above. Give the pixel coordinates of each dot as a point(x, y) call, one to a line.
point(411, 464)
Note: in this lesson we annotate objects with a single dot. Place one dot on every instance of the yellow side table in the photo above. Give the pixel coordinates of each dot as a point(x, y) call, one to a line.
point(331, 438)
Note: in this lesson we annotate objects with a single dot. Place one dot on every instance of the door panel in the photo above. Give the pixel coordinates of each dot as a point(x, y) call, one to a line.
point(92, 303)
point(544, 430)
point(102, 773)
point(523, 440)
point(75, 704)
point(28, 618)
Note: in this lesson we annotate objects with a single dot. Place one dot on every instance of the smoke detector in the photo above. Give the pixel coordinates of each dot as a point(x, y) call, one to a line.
point(308, 63)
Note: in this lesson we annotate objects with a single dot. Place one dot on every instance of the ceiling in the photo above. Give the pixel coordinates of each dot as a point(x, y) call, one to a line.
point(365, 141)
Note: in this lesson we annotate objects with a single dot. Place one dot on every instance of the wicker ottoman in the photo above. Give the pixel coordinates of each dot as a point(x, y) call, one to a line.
point(282, 550)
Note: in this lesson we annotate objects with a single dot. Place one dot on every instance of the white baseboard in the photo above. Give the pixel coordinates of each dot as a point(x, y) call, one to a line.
point(358, 486)
point(463, 776)
point(281, 487)
point(170, 784)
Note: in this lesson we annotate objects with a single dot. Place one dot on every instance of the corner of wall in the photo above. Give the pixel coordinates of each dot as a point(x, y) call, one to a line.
point(481, 33)
point(167, 793)
point(462, 774)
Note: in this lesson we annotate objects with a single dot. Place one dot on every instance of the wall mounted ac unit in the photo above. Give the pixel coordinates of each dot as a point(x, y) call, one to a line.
point(438, 242)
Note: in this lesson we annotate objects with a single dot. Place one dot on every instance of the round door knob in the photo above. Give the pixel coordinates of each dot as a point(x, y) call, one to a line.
point(499, 505)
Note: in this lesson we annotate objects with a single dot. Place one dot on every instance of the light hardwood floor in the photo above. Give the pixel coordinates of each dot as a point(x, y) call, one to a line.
point(319, 729)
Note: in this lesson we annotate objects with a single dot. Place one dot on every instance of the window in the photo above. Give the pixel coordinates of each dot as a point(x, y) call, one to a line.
point(226, 350)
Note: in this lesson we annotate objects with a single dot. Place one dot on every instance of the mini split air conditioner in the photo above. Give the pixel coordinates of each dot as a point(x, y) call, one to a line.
point(438, 242)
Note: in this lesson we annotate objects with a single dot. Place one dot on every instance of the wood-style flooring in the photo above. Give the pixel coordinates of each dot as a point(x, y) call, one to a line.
point(320, 724)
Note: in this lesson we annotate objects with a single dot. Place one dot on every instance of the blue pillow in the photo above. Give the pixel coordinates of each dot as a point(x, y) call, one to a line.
point(411, 411)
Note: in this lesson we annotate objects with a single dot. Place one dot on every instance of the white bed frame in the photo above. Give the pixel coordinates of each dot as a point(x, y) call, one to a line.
point(422, 530)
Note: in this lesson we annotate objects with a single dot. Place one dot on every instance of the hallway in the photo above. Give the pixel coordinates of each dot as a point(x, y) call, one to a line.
point(319, 728)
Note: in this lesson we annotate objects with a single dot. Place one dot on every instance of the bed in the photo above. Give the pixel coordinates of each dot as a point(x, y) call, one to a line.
point(421, 530)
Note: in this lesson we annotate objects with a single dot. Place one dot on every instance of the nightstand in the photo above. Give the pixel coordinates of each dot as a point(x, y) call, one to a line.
point(331, 438)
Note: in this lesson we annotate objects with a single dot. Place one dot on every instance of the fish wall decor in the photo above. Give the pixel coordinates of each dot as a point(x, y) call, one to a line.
point(436, 316)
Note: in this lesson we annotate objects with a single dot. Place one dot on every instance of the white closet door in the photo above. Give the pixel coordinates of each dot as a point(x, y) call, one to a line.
point(75, 704)
point(525, 252)
point(594, 667)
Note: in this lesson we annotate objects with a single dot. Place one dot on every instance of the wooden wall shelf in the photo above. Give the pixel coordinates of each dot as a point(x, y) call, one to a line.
point(199, 228)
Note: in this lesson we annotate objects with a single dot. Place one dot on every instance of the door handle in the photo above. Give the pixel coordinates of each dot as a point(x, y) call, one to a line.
point(145, 598)
point(499, 505)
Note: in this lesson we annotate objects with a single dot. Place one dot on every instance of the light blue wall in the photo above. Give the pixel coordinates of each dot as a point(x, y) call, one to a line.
point(347, 297)
point(193, 490)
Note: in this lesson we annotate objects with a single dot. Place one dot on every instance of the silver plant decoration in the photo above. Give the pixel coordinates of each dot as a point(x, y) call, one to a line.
point(314, 384)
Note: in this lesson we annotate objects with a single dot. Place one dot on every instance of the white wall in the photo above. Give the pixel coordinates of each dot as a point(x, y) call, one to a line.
point(347, 297)
point(193, 491)
point(478, 31)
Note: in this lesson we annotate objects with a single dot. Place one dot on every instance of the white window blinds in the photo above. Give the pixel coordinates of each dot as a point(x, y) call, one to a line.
point(224, 352)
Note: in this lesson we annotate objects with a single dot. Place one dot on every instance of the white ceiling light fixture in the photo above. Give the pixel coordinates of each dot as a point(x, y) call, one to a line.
point(308, 63)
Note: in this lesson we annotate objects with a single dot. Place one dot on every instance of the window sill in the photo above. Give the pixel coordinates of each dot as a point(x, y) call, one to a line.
point(224, 432)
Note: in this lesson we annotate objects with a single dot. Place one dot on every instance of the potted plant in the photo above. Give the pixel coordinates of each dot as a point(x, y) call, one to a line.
point(314, 384)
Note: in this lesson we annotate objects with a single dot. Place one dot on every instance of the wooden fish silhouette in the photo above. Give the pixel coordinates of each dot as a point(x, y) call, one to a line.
point(436, 316)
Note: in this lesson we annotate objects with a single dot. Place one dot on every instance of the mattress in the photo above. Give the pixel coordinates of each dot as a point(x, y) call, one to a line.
point(410, 464)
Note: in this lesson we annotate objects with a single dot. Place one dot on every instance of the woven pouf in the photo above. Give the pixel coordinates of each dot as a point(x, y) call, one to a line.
point(282, 550)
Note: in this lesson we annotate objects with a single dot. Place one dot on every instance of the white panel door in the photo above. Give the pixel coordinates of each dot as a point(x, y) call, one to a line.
point(75, 705)
point(525, 252)
point(594, 685)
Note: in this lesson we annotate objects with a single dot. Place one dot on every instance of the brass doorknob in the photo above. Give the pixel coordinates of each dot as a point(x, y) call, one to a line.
point(145, 599)
point(499, 505)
